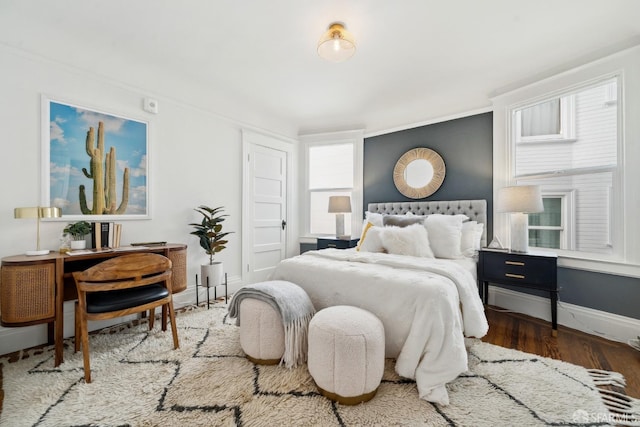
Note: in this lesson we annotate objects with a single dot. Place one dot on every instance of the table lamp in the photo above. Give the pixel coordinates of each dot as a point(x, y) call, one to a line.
point(520, 201)
point(340, 205)
point(37, 212)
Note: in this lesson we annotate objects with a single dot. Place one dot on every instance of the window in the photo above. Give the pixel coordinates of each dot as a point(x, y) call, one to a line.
point(333, 164)
point(330, 174)
point(553, 228)
point(576, 167)
point(551, 120)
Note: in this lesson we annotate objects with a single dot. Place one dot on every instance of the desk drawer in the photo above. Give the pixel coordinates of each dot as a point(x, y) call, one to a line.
point(504, 267)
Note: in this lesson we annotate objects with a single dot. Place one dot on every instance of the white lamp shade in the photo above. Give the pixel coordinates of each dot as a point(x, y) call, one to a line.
point(339, 204)
point(521, 198)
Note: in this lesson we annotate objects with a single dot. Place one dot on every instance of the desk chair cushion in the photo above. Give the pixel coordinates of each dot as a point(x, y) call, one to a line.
point(103, 302)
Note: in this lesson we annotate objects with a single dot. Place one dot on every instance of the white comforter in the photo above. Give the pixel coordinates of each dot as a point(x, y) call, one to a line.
point(418, 301)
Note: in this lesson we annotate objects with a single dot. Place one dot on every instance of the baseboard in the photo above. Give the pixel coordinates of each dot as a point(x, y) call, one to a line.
point(595, 322)
point(19, 338)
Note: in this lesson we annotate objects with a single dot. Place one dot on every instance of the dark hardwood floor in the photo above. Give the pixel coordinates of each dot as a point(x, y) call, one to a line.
point(532, 335)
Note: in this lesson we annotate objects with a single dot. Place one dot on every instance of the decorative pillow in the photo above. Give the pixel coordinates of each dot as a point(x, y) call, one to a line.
point(374, 218)
point(366, 225)
point(445, 234)
point(402, 220)
point(411, 240)
point(371, 240)
point(471, 238)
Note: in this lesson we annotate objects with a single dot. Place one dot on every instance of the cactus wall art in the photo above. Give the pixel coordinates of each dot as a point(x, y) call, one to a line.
point(97, 163)
point(102, 171)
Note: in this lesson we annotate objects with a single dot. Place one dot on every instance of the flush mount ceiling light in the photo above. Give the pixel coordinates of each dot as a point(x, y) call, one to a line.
point(337, 44)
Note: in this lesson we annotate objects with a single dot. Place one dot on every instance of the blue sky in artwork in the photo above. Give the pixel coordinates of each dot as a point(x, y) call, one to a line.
point(68, 127)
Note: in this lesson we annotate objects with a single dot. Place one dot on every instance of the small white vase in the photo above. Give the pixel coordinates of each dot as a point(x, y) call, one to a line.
point(215, 273)
point(78, 244)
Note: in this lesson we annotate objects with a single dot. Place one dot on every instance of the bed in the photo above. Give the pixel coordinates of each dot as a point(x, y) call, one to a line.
point(408, 271)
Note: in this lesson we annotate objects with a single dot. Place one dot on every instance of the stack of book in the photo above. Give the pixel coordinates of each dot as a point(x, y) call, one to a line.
point(105, 235)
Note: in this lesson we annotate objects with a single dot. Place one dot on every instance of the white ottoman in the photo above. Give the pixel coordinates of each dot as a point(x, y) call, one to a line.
point(261, 332)
point(346, 353)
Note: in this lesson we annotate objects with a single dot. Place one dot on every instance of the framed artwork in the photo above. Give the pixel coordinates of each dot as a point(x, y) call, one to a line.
point(94, 164)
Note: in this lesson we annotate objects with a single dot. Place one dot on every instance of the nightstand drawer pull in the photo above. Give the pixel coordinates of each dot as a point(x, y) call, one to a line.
point(514, 263)
point(514, 276)
point(331, 245)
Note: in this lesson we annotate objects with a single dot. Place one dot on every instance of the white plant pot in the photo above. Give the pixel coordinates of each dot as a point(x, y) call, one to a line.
point(215, 273)
point(78, 244)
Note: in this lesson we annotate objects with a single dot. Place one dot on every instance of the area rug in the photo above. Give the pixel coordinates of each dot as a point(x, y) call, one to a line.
point(139, 380)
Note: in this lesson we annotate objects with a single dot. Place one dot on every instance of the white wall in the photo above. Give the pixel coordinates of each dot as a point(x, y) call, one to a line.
point(195, 158)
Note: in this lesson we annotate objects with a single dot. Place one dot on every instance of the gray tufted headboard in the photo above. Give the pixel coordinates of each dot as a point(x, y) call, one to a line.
point(476, 210)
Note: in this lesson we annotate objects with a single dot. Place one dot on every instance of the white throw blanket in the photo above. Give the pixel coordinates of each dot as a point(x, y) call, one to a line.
point(295, 308)
point(418, 301)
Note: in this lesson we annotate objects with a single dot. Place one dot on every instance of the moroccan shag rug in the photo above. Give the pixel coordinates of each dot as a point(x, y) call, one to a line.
point(139, 380)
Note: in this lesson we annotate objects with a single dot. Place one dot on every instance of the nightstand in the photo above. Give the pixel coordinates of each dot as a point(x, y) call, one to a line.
point(535, 270)
point(333, 242)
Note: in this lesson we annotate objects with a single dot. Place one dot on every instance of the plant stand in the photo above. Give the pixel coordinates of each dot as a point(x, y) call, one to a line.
point(215, 296)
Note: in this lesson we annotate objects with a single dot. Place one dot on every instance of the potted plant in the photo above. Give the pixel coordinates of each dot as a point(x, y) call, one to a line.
point(212, 240)
point(78, 230)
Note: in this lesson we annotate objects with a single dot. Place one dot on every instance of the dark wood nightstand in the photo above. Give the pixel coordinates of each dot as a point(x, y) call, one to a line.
point(333, 242)
point(536, 270)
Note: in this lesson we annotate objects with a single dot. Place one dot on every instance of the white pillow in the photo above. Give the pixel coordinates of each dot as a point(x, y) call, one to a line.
point(374, 218)
point(371, 239)
point(445, 234)
point(412, 240)
point(471, 238)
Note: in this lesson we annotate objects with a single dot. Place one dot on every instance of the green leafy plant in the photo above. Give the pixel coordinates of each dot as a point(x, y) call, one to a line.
point(78, 229)
point(209, 231)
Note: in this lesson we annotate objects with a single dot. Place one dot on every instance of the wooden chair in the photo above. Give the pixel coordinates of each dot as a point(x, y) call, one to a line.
point(121, 286)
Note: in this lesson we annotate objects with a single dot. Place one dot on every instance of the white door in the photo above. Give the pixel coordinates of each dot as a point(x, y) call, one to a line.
point(266, 210)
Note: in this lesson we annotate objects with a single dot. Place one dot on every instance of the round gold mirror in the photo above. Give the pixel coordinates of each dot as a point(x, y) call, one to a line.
point(419, 173)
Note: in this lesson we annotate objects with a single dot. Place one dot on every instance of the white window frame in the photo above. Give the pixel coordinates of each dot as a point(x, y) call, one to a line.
point(625, 197)
point(567, 124)
point(567, 218)
point(568, 93)
point(355, 137)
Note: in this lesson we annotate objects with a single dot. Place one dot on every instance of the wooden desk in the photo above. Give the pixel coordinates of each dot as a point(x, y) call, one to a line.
point(33, 288)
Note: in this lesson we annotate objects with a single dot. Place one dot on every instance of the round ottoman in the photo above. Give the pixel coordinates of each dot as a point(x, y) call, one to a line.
point(261, 332)
point(346, 353)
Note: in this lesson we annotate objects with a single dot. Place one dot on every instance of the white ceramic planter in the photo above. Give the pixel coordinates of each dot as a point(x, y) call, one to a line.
point(215, 273)
point(78, 244)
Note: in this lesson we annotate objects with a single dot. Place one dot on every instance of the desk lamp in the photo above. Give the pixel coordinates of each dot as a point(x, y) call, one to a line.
point(37, 212)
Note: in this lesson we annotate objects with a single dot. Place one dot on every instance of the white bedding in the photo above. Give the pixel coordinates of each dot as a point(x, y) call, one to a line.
point(418, 301)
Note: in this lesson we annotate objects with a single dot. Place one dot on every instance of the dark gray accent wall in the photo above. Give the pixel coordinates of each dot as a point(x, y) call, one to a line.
point(600, 291)
point(466, 145)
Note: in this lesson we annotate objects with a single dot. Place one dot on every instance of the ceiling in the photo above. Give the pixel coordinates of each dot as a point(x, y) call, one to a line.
point(255, 61)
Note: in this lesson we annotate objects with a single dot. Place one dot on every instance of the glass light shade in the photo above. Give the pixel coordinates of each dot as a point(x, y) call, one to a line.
point(337, 44)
